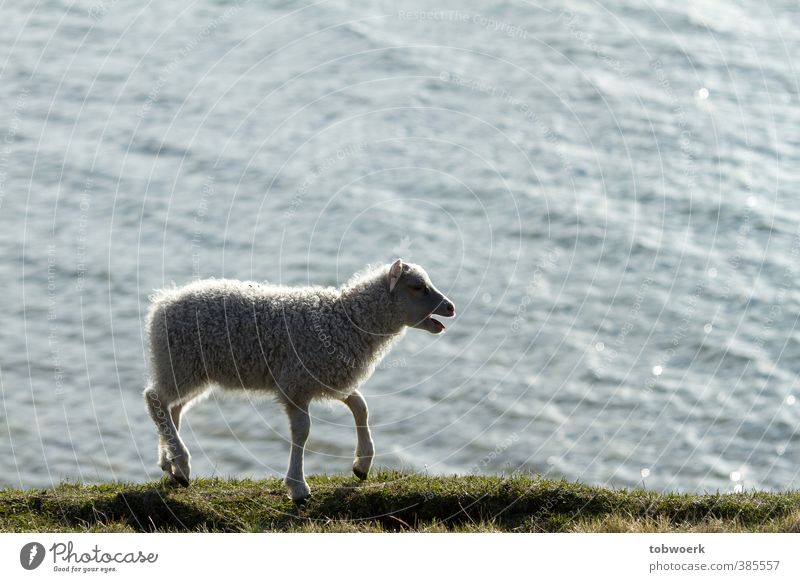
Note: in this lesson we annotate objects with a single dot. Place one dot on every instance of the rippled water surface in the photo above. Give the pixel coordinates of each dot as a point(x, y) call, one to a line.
point(608, 193)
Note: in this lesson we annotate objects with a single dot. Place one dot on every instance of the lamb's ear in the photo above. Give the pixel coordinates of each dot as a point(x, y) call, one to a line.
point(394, 274)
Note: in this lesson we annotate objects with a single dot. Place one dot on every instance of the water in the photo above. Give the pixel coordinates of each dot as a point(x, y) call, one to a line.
point(607, 193)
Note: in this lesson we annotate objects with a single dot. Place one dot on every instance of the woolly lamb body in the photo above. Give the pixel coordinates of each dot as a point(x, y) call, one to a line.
point(290, 341)
point(298, 344)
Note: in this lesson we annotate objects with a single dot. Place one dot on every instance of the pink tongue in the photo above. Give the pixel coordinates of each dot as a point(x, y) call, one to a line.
point(439, 324)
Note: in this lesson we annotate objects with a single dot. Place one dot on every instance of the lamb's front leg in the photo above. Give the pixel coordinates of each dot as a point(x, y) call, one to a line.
point(300, 425)
point(365, 450)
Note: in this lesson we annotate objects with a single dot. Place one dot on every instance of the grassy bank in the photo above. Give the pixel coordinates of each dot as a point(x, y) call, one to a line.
point(391, 501)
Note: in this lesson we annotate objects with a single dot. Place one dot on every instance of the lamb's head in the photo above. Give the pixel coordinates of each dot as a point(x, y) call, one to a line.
point(416, 298)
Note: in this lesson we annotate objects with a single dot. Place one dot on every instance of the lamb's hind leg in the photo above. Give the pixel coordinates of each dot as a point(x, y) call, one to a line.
point(300, 425)
point(365, 449)
point(163, 450)
point(173, 456)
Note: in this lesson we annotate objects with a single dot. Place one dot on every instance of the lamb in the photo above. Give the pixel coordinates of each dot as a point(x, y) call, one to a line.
point(294, 343)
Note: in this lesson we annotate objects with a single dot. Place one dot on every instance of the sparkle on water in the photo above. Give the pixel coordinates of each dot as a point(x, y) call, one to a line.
point(657, 370)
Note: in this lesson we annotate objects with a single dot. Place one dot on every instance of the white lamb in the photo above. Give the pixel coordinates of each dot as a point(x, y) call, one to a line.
point(297, 343)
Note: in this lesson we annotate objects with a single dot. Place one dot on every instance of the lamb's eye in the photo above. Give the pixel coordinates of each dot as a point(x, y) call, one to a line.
point(416, 287)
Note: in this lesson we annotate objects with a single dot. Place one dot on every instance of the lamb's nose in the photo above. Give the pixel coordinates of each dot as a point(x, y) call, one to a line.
point(451, 309)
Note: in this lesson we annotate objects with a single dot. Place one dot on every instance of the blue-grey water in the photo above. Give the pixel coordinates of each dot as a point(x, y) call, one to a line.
point(608, 192)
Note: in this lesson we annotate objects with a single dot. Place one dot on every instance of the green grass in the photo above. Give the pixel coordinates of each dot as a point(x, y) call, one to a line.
point(391, 501)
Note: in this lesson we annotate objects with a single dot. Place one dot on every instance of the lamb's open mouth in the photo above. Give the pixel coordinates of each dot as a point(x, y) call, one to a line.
point(431, 325)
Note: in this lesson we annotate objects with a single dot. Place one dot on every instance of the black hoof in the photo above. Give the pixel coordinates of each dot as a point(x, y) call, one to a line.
point(178, 480)
point(301, 501)
point(360, 474)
